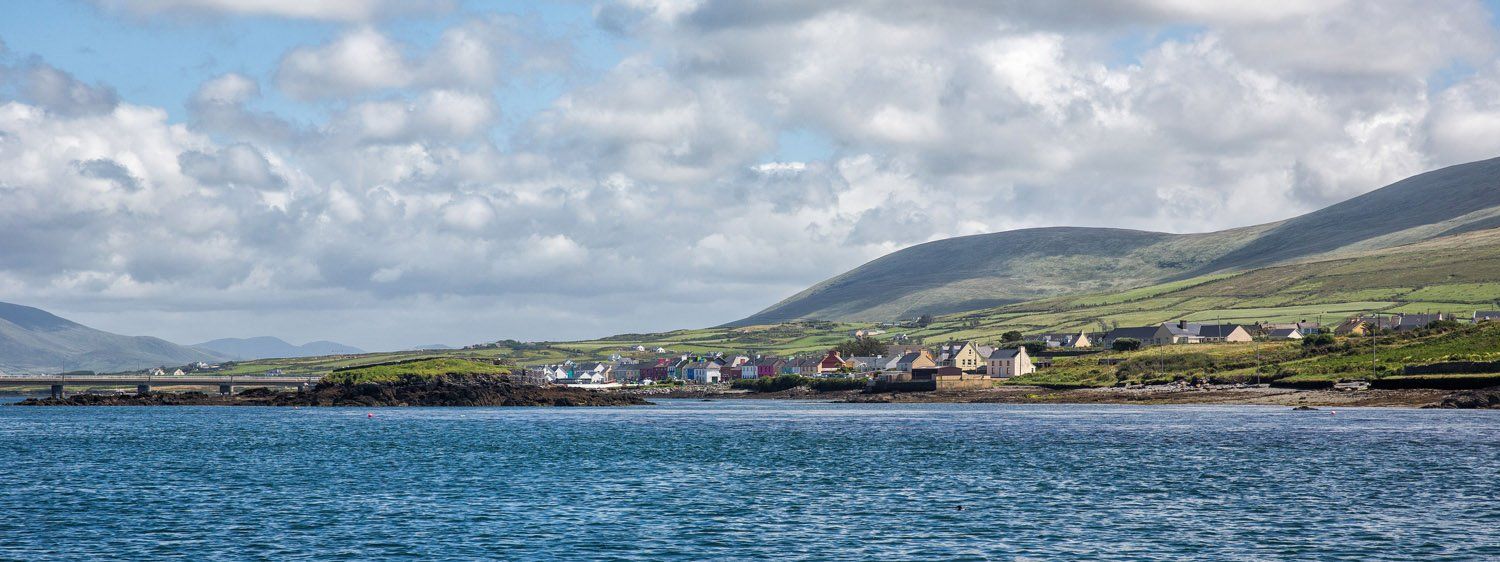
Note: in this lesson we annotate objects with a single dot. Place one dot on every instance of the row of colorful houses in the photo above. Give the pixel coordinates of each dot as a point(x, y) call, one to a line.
point(703, 369)
point(952, 358)
point(966, 357)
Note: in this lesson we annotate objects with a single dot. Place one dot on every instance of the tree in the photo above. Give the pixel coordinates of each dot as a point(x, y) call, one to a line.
point(924, 320)
point(1125, 344)
point(1033, 347)
point(863, 346)
point(1318, 340)
point(1010, 336)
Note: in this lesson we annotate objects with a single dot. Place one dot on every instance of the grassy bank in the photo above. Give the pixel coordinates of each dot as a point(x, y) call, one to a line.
point(407, 370)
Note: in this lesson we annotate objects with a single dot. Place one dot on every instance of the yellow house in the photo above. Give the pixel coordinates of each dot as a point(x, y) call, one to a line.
point(964, 356)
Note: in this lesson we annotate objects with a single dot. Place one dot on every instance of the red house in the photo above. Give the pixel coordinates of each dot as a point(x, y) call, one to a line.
point(831, 362)
point(769, 367)
point(658, 371)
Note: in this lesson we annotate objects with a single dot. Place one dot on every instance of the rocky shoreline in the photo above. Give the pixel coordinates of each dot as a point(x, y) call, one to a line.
point(1406, 398)
point(498, 390)
point(445, 390)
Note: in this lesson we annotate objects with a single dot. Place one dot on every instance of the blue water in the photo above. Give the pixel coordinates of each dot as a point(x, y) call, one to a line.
point(754, 479)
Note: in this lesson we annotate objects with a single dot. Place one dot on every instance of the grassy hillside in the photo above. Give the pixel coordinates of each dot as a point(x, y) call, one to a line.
point(1458, 274)
point(974, 272)
point(1279, 362)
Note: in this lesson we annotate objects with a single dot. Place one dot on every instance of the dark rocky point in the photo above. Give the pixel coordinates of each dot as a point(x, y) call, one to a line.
point(443, 390)
point(1488, 398)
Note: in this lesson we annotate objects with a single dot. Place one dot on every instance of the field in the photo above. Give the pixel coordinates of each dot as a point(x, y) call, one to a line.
point(1283, 362)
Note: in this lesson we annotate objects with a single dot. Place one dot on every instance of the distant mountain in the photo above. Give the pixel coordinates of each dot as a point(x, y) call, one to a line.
point(432, 347)
point(986, 270)
point(36, 341)
point(267, 347)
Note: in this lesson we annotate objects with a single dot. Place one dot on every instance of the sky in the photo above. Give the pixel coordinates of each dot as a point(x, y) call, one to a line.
point(390, 173)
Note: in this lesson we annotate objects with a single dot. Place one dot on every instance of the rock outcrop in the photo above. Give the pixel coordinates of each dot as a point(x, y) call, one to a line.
point(1487, 398)
point(443, 390)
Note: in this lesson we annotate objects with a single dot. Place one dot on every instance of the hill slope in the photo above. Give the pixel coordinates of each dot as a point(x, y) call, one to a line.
point(35, 341)
point(266, 347)
point(974, 272)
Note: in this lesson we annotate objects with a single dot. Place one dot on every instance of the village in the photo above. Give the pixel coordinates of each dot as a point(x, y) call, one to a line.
point(900, 364)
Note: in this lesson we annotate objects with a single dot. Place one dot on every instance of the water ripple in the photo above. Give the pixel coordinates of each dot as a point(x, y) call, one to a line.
point(749, 480)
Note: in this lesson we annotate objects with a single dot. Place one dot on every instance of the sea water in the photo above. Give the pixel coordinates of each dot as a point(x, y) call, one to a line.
point(695, 480)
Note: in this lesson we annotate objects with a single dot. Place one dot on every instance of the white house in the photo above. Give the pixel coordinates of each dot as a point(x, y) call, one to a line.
point(1009, 362)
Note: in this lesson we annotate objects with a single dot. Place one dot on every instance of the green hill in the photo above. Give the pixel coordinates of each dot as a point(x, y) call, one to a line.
point(974, 272)
point(1457, 274)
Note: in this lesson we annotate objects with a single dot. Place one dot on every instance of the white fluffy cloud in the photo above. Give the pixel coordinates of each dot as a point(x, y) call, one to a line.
point(666, 190)
point(334, 10)
point(474, 54)
point(434, 115)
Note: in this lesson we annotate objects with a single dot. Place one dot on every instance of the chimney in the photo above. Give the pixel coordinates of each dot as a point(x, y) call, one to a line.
point(1182, 324)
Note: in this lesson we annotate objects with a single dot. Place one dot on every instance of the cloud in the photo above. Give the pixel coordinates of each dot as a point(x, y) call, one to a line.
point(359, 61)
point(473, 54)
point(108, 170)
point(234, 165)
point(60, 92)
point(340, 10)
point(434, 115)
point(642, 122)
point(1464, 123)
point(221, 105)
point(415, 185)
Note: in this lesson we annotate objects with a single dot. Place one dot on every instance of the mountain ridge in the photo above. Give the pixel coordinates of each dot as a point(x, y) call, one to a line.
point(986, 270)
point(33, 340)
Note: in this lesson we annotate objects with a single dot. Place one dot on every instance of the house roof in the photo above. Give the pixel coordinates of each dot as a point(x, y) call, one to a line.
point(1283, 332)
point(1065, 338)
point(1216, 330)
point(1005, 353)
point(908, 358)
point(1200, 330)
point(1137, 332)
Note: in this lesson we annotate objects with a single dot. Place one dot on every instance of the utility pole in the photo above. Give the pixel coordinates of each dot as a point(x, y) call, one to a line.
point(1372, 344)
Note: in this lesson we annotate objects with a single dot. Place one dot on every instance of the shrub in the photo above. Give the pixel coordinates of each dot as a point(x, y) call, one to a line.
point(1125, 344)
point(770, 384)
point(861, 346)
point(1318, 341)
point(1032, 347)
point(1443, 325)
point(412, 370)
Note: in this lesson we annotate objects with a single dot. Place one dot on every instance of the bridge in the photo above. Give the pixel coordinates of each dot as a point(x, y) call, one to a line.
point(143, 383)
